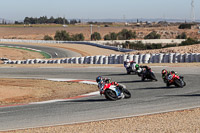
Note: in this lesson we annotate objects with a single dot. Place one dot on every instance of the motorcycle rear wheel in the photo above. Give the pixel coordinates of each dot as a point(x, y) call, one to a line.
point(110, 95)
point(153, 77)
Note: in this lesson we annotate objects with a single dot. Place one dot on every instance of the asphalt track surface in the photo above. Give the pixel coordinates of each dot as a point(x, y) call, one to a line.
point(147, 97)
point(54, 52)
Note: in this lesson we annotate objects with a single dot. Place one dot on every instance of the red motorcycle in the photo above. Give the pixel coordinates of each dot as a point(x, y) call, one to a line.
point(176, 80)
point(115, 91)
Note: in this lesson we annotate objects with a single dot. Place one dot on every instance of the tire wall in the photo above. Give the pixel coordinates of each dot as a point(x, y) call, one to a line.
point(117, 59)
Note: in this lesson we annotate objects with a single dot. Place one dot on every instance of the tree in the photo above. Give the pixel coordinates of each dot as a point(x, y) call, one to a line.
point(62, 36)
point(73, 21)
point(95, 36)
point(45, 20)
point(182, 36)
point(185, 26)
point(152, 35)
point(47, 37)
point(78, 37)
point(189, 41)
point(126, 34)
point(107, 37)
point(111, 36)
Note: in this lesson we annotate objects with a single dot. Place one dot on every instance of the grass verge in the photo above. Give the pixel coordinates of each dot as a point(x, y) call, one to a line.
point(46, 55)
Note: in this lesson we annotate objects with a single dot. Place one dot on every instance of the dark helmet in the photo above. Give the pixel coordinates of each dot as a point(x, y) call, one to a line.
point(99, 79)
point(173, 72)
point(164, 71)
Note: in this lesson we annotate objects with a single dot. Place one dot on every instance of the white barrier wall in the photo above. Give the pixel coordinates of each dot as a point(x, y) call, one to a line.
point(117, 59)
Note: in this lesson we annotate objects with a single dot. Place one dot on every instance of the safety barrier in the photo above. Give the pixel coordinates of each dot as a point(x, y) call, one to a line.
point(91, 43)
point(116, 59)
point(101, 44)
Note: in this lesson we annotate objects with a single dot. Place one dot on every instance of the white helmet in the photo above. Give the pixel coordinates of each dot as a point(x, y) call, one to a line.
point(127, 60)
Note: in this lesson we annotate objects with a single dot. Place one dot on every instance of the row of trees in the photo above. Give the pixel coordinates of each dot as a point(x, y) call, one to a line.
point(45, 20)
point(64, 36)
point(122, 35)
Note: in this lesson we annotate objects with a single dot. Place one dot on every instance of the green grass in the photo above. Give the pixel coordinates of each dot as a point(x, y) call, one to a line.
point(46, 55)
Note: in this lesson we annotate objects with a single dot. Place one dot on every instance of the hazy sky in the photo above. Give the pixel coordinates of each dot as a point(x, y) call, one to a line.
point(98, 9)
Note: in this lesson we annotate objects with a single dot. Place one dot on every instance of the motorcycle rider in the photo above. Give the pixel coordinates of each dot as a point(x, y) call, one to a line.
point(103, 83)
point(141, 69)
point(129, 65)
point(165, 75)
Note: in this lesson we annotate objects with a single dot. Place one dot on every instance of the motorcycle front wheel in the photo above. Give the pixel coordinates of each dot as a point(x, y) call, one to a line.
point(126, 93)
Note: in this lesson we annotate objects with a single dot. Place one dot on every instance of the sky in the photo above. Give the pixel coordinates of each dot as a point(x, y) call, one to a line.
point(98, 9)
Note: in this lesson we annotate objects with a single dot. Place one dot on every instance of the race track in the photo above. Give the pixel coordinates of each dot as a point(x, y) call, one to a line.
point(147, 97)
point(54, 52)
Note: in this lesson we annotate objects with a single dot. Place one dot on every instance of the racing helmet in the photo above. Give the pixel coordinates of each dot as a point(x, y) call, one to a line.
point(164, 71)
point(99, 79)
point(137, 66)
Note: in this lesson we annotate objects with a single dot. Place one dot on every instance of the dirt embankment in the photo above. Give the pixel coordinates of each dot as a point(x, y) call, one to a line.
point(180, 49)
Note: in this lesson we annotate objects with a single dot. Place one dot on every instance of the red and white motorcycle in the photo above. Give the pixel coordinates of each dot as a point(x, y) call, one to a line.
point(113, 91)
point(176, 80)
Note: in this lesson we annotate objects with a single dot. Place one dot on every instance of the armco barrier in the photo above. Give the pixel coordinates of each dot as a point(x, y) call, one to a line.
point(116, 59)
point(92, 43)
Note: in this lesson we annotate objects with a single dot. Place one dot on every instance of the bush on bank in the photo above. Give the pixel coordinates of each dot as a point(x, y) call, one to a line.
point(64, 36)
point(141, 46)
point(122, 35)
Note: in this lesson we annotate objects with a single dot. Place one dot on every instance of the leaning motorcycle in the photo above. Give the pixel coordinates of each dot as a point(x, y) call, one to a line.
point(175, 80)
point(113, 92)
point(130, 67)
point(148, 74)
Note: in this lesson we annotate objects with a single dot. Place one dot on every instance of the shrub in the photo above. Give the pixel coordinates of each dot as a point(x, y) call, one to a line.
point(126, 34)
point(111, 36)
point(47, 37)
point(78, 37)
point(189, 41)
point(152, 35)
point(169, 45)
point(182, 36)
point(95, 36)
point(62, 36)
point(107, 37)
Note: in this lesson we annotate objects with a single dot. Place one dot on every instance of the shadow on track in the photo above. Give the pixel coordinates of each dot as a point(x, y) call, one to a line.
point(89, 100)
point(186, 95)
point(154, 88)
point(120, 74)
point(136, 81)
